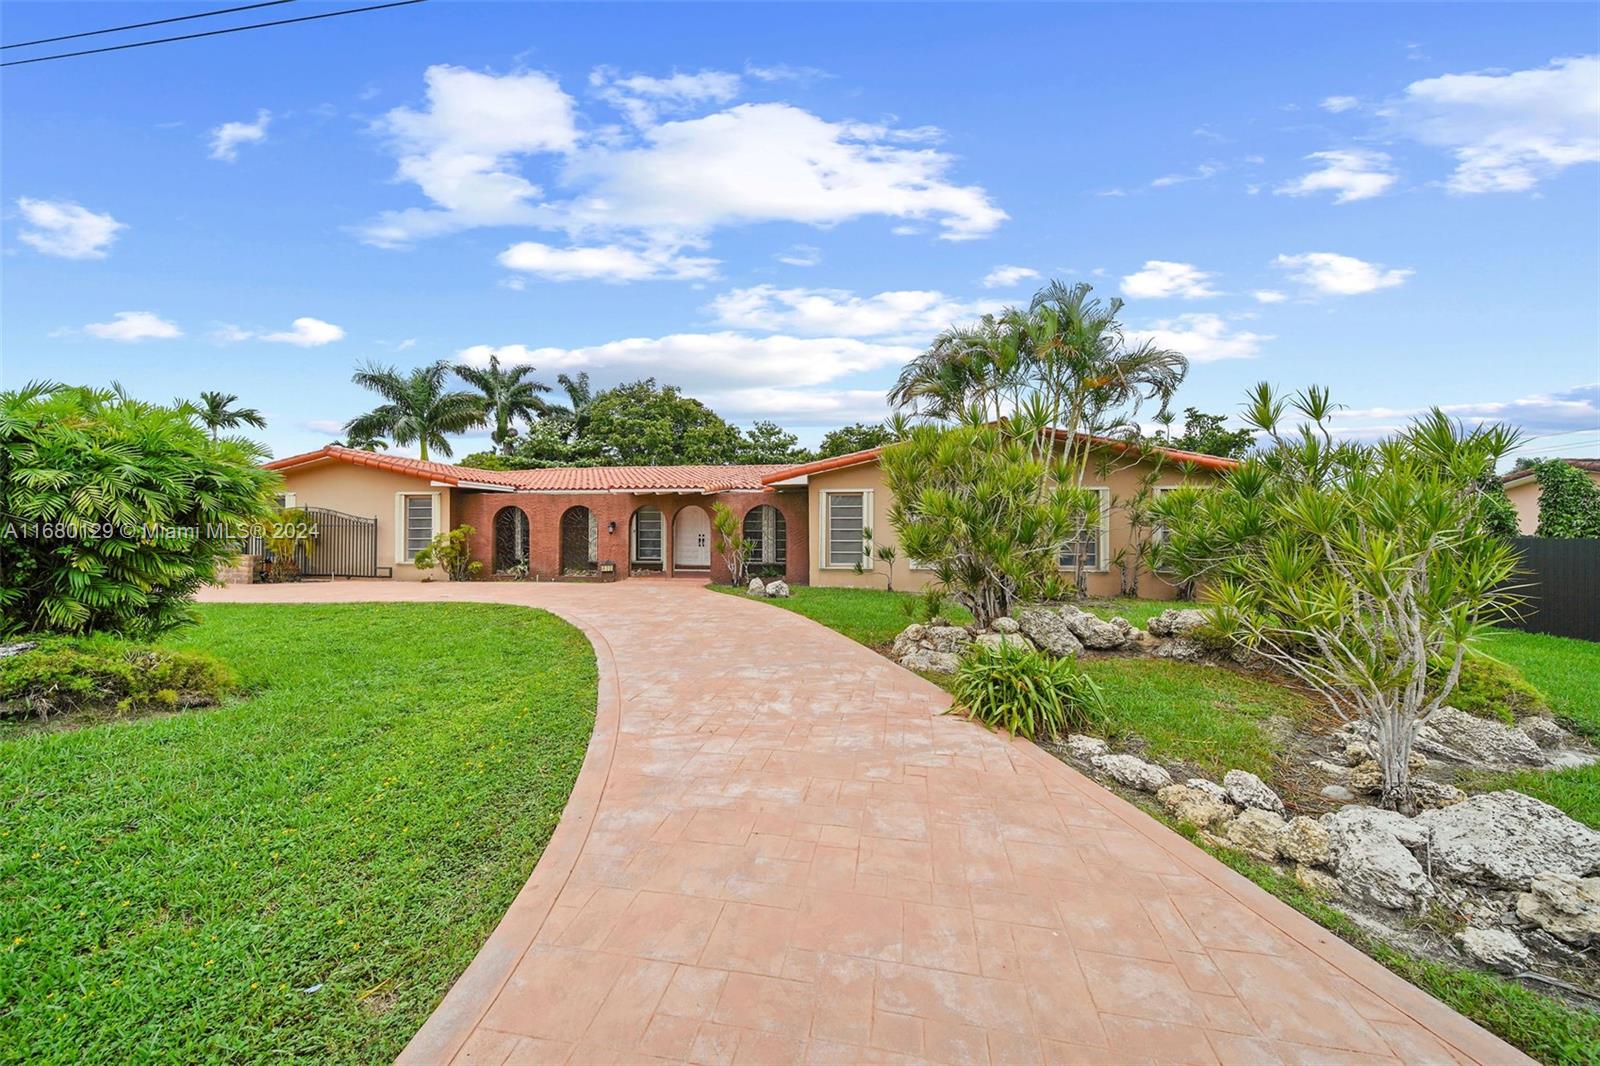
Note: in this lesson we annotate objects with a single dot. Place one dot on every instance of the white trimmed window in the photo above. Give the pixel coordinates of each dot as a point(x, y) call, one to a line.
point(284, 500)
point(766, 532)
point(845, 516)
point(647, 526)
point(416, 523)
point(1095, 544)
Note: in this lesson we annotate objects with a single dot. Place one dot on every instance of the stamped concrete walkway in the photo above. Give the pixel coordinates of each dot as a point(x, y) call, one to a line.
point(778, 850)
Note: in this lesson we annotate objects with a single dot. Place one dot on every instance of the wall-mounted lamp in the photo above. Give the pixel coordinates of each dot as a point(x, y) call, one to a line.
point(611, 527)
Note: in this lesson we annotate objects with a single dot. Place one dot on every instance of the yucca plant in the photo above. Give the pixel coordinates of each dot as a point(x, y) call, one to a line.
point(1027, 693)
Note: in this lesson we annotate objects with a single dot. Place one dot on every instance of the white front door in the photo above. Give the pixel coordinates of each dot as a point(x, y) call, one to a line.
point(691, 538)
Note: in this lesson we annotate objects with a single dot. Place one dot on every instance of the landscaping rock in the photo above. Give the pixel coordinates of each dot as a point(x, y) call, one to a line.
point(1176, 622)
point(1210, 788)
point(1005, 625)
point(1317, 882)
point(954, 639)
point(756, 587)
point(8, 650)
point(1461, 737)
point(1257, 832)
point(1085, 747)
point(1337, 793)
point(1371, 855)
point(1433, 795)
point(1095, 633)
point(1545, 733)
point(1132, 771)
point(1178, 648)
point(778, 590)
point(1367, 777)
point(1498, 949)
point(1566, 907)
point(927, 661)
point(1196, 806)
point(1305, 841)
point(1009, 640)
point(1503, 839)
point(1049, 630)
point(1248, 790)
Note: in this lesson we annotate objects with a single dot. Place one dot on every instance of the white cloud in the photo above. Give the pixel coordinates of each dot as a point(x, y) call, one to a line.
point(605, 263)
point(66, 230)
point(1199, 173)
point(800, 255)
point(409, 342)
point(1203, 338)
point(1351, 173)
point(642, 98)
point(1338, 104)
point(1339, 275)
point(330, 426)
point(1002, 276)
point(1567, 411)
point(709, 360)
point(800, 407)
point(1161, 279)
point(462, 149)
point(1269, 296)
point(1507, 131)
point(131, 326)
point(307, 333)
point(907, 314)
point(226, 138)
point(667, 184)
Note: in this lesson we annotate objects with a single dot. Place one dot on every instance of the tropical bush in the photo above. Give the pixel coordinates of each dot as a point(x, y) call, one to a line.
point(727, 531)
point(103, 672)
point(1025, 692)
point(1569, 503)
point(115, 511)
point(985, 509)
point(1366, 570)
point(450, 552)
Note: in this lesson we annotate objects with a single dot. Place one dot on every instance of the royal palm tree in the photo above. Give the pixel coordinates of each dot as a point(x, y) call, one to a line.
point(365, 442)
point(574, 414)
point(217, 412)
point(418, 409)
point(507, 396)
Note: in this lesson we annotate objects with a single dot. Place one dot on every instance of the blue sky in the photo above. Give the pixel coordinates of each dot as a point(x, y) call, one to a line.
point(775, 205)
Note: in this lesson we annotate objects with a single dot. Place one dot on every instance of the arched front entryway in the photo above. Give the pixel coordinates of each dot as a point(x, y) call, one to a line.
point(510, 539)
point(647, 539)
point(579, 541)
point(691, 539)
point(766, 536)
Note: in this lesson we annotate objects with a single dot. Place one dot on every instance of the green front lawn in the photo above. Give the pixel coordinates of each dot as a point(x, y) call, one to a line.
point(867, 616)
point(303, 871)
point(1565, 670)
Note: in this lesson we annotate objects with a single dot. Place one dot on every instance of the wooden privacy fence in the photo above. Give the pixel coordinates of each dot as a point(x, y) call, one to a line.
point(1561, 585)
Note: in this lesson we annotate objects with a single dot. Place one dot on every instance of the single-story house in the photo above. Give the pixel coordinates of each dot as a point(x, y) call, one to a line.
point(804, 521)
point(1522, 489)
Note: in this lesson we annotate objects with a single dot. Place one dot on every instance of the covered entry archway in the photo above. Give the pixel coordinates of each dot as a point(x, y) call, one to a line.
point(510, 539)
point(691, 539)
point(579, 541)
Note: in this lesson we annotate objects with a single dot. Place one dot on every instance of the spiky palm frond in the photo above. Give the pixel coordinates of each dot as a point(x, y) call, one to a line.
point(419, 410)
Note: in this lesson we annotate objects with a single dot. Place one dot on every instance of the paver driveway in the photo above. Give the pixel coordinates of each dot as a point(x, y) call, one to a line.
point(779, 850)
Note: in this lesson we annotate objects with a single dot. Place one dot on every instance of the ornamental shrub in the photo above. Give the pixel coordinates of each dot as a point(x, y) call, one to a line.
point(451, 552)
point(1025, 692)
point(113, 512)
point(106, 673)
point(1569, 503)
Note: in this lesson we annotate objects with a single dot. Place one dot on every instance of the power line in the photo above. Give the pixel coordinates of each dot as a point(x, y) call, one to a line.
point(142, 25)
point(211, 33)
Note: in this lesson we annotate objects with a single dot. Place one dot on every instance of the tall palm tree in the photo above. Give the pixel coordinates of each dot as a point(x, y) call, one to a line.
point(216, 412)
point(365, 442)
point(418, 409)
point(507, 395)
point(575, 412)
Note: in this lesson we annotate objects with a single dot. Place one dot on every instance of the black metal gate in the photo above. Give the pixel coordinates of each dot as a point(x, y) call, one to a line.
point(343, 545)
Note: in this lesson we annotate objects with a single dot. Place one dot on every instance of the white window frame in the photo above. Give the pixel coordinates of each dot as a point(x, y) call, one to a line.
point(1102, 562)
point(772, 545)
point(287, 498)
point(825, 562)
point(661, 538)
point(401, 556)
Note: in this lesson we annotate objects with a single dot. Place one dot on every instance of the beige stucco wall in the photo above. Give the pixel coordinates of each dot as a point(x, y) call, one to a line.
point(1106, 581)
point(366, 492)
point(1525, 498)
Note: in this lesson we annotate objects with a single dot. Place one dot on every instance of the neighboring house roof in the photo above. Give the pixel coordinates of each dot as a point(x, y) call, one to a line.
point(1517, 477)
point(798, 474)
point(700, 478)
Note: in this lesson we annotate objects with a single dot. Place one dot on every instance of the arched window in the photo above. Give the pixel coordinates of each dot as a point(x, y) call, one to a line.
point(645, 539)
point(766, 531)
point(510, 539)
point(578, 541)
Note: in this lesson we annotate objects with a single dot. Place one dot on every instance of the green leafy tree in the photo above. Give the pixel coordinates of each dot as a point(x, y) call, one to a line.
point(113, 512)
point(1569, 502)
point(1362, 569)
point(856, 437)
point(507, 395)
point(767, 442)
point(967, 502)
point(365, 442)
point(451, 551)
point(418, 409)
point(545, 444)
point(1208, 435)
point(216, 413)
point(648, 425)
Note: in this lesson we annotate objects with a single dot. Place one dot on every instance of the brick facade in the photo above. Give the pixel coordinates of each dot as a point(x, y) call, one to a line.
point(613, 512)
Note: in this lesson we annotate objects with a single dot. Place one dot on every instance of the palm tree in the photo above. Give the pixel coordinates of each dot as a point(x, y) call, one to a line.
point(216, 412)
point(575, 413)
point(418, 409)
point(365, 442)
point(507, 395)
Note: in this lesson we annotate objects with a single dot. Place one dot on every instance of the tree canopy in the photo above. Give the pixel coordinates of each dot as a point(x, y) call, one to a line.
point(418, 408)
point(856, 437)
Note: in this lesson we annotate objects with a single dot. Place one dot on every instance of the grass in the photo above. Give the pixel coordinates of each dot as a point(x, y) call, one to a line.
point(1543, 1027)
point(1136, 611)
point(867, 616)
point(303, 871)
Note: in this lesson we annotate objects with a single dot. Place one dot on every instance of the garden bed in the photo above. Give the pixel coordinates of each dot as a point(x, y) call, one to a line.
point(301, 872)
